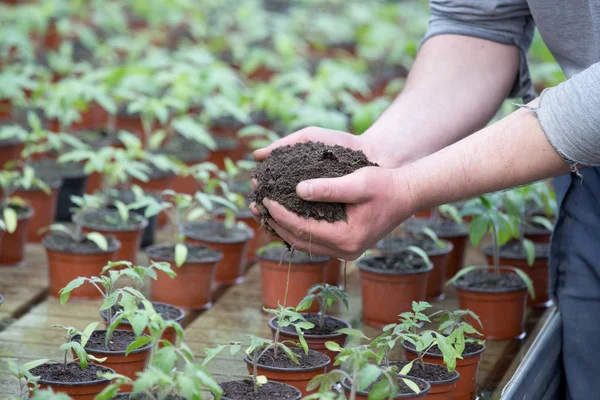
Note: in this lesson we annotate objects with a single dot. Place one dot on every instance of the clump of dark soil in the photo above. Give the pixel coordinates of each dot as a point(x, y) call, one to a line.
point(198, 254)
point(108, 219)
point(311, 360)
point(283, 254)
point(470, 348)
point(56, 372)
point(119, 341)
point(279, 174)
point(62, 242)
point(429, 373)
point(490, 281)
point(216, 231)
point(244, 390)
point(397, 263)
point(330, 326)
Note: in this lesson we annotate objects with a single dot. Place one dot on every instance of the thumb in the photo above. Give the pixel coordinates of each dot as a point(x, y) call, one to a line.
point(349, 189)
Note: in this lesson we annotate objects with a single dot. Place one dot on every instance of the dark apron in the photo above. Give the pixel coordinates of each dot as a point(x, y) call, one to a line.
point(575, 279)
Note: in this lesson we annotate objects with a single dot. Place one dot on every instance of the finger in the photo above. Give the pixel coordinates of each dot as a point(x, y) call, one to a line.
point(349, 189)
point(290, 140)
point(253, 183)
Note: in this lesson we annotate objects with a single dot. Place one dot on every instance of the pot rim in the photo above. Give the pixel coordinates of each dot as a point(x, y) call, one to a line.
point(216, 258)
point(76, 384)
point(298, 392)
point(362, 267)
point(440, 251)
point(116, 246)
point(54, 185)
point(298, 369)
point(313, 260)
point(467, 355)
point(399, 396)
point(181, 316)
point(329, 336)
point(482, 290)
point(121, 352)
point(249, 235)
point(141, 226)
point(488, 251)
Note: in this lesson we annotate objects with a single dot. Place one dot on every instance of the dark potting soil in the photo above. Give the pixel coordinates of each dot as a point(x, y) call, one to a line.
point(306, 361)
point(429, 373)
point(399, 243)
point(470, 348)
point(119, 341)
point(62, 242)
point(515, 250)
point(402, 387)
point(216, 231)
point(283, 254)
point(399, 262)
point(244, 390)
point(108, 219)
point(56, 372)
point(185, 149)
point(166, 252)
point(330, 326)
point(279, 174)
point(166, 311)
point(49, 170)
point(490, 281)
point(97, 138)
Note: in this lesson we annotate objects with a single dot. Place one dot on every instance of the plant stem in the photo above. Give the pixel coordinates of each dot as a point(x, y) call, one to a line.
point(353, 388)
point(322, 313)
point(287, 282)
point(345, 274)
point(390, 244)
point(255, 373)
point(496, 249)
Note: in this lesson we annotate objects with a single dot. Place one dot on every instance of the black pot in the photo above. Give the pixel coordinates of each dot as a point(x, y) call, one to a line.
point(71, 187)
point(149, 234)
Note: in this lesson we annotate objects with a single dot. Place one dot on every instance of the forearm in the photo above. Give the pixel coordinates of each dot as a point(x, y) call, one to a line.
point(454, 88)
point(509, 153)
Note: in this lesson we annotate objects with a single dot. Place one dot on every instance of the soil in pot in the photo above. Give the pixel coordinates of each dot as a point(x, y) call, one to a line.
point(283, 369)
point(192, 287)
point(116, 359)
point(44, 206)
point(68, 259)
point(166, 311)
point(514, 254)
point(127, 196)
point(261, 237)
point(73, 178)
point(389, 285)
point(304, 272)
point(231, 242)
point(78, 383)
point(498, 298)
point(441, 381)
point(279, 174)
point(404, 392)
point(108, 221)
point(467, 367)
point(12, 251)
point(244, 390)
point(317, 336)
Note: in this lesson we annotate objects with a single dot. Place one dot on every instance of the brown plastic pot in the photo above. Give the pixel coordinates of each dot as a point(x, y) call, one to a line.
point(333, 272)
point(191, 288)
point(424, 394)
point(442, 390)
point(64, 267)
point(296, 377)
point(303, 276)
point(298, 396)
point(315, 342)
point(93, 183)
point(467, 367)
point(386, 294)
point(436, 279)
point(12, 251)
point(130, 239)
point(232, 267)
point(169, 334)
point(502, 313)
point(77, 390)
point(45, 209)
point(9, 150)
point(260, 238)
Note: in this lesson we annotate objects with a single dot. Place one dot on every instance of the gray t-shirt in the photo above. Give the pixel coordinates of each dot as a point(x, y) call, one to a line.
point(570, 112)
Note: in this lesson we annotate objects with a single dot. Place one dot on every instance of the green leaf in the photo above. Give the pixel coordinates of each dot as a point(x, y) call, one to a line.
point(181, 253)
point(87, 332)
point(462, 272)
point(406, 369)
point(122, 210)
point(412, 385)
point(139, 322)
point(529, 248)
point(212, 353)
point(65, 292)
point(32, 364)
point(109, 301)
point(368, 375)
point(333, 346)
point(420, 252)
point(352, 333)
point(261, 380)
point(10, 219)
point(99, 239)
point(545, 222)
point(81, 354)
point(141, 341)
point(527, 280)
point(478, 229)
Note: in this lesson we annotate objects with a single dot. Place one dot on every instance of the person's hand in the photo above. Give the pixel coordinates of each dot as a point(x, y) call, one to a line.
point(376, 202)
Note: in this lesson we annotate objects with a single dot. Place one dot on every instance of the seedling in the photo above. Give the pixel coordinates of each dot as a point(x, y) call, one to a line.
point(27, 381)
point(454, 326)
point(326, 295)
point(78, 347)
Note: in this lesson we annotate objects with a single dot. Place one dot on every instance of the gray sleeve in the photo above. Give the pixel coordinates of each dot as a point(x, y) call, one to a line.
point(568, 114)
point(503, 21)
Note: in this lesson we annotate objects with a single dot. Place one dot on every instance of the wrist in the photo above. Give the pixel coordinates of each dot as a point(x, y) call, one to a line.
point(407, 192)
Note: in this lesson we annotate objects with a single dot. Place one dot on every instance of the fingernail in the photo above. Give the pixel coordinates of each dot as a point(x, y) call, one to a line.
point(305, 190)
point(266, 202)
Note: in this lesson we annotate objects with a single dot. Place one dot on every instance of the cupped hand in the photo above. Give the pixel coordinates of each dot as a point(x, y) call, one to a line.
point(376, 199)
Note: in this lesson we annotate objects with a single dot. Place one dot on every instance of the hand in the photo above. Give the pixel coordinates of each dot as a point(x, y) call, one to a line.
point(376, 202)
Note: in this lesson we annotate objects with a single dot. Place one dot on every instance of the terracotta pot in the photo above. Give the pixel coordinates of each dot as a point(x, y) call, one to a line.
point(130, 239)
point(538, 273)
point(9, 151)
point(93, 183)
point(78, 390)
point(12, 251)
point(260, 239)
point(303, 276)
point(128, 365)
point(467, 367)
point(232, 267)
point(157, 184)
point(436, 279)
point(296, 377)
point(538, 235)
point(502, 314)
point(456, 258)
point(414, 396)
point(186, 184)
point(333, 271)
point(443, 390)
point(169, 334)
point(386, 294)
point(191, 288)
point(298, 396)
point(424, 214)
point(45, 210)
point(315, 342)
point(64, 267)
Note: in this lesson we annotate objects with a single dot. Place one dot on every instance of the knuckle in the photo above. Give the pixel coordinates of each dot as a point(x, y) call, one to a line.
point(301, 233)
